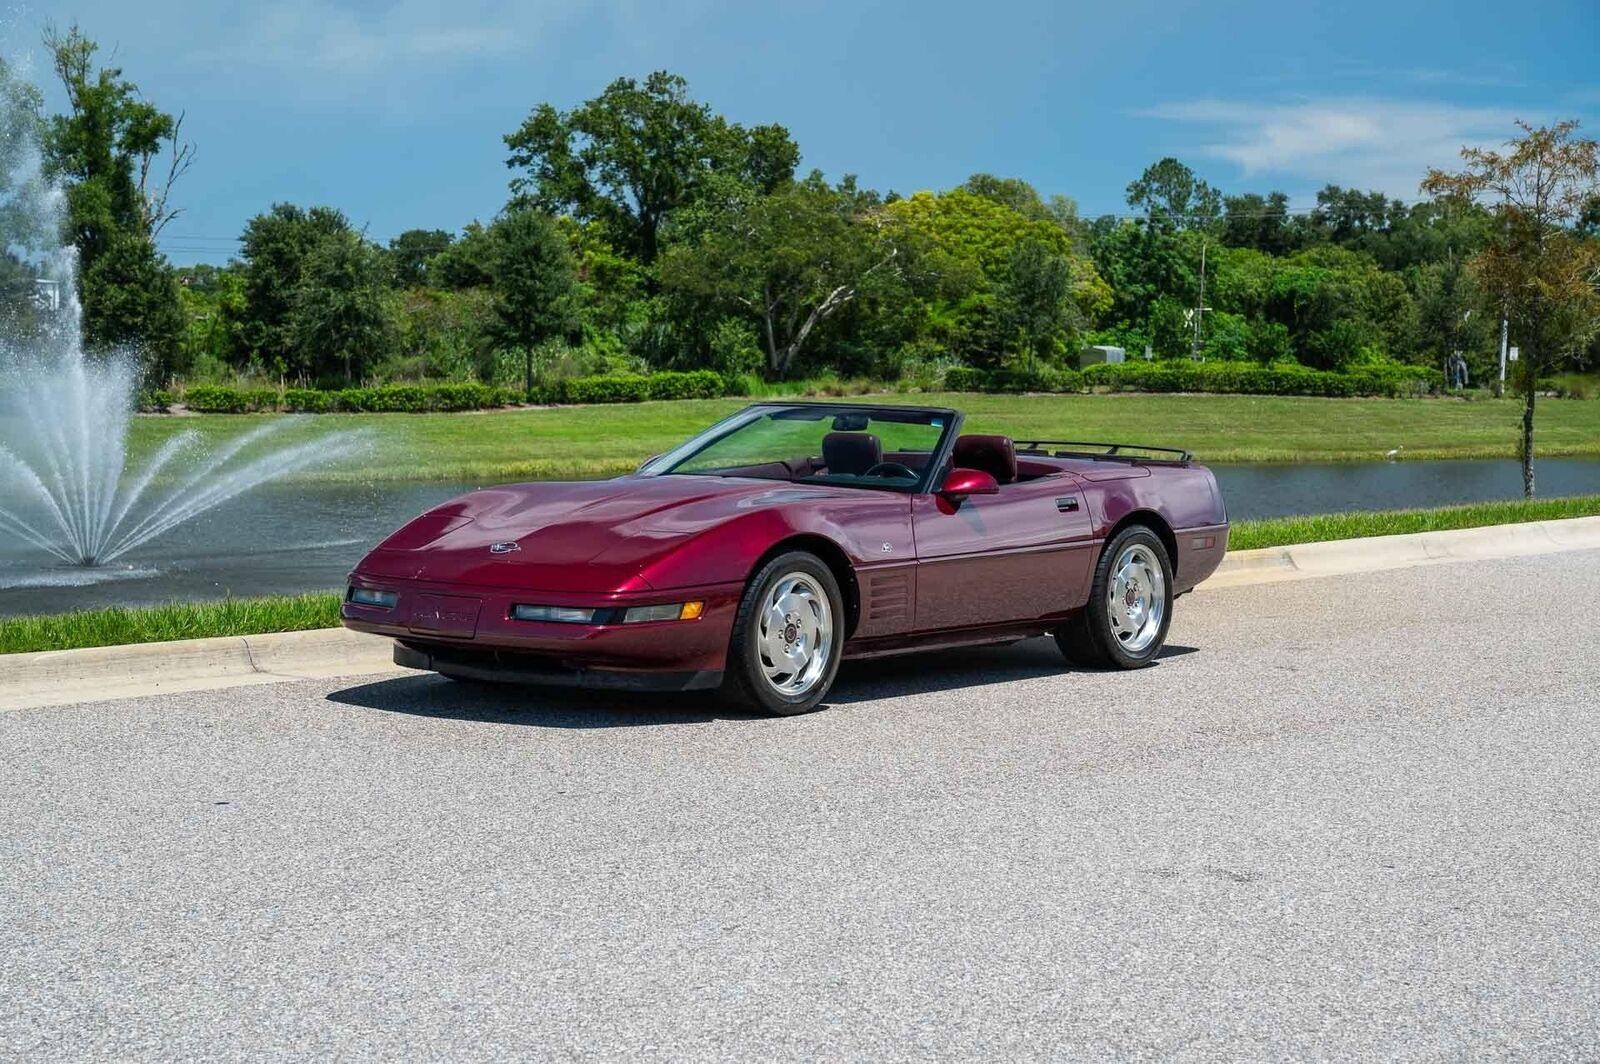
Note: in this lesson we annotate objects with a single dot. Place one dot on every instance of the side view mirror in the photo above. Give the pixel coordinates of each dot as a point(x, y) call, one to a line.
point(959, 483)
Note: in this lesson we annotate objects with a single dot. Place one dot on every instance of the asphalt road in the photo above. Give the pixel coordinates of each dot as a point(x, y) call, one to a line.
point(1342, 818)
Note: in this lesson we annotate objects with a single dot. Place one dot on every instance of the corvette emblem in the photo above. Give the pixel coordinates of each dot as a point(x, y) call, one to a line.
point(505, 548)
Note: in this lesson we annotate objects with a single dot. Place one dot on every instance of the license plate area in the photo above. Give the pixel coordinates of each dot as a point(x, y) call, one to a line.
point(450, 615)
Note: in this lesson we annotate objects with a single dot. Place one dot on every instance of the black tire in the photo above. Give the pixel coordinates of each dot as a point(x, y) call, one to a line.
point(1089, 637)
point(744, 680)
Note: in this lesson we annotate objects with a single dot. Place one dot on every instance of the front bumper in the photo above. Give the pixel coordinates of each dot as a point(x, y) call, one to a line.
point(467, 627)
point(508, 666)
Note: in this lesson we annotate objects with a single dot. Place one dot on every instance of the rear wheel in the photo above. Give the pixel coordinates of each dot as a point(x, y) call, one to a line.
point(787, 637)
point(1125, 623)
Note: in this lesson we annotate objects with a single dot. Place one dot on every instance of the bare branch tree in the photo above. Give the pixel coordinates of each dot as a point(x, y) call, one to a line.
point(1538, 260)
point(180, 156)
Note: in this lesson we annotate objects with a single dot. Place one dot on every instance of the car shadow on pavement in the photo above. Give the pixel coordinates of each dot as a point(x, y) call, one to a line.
point(946, 670)
point(427, 695)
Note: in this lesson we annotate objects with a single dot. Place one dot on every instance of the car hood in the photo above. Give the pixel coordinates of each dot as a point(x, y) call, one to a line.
point(569, 536)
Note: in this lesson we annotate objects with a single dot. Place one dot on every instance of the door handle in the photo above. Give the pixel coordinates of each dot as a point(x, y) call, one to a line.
point(1067, 504)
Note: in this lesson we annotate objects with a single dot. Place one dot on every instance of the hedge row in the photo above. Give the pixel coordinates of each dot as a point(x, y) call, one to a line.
point(1246, 378)
point(700, 384)
point(423, 398)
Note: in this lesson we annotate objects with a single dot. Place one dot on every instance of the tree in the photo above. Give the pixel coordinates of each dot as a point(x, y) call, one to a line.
point(792, 260)
point(535, 282)
point(412, 251)
point(275, 248)
point(466, 263)
point(959, 248)
point(1036, 304)
point(1537, 258)
point(1012, 192)
point(1260, 222)
point(1173, 197)
point(635, 154)
point(108, 149)
point(338, 319)
point(131, 300)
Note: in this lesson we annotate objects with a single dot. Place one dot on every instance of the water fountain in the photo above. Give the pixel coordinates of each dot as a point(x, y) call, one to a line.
point(69, 487)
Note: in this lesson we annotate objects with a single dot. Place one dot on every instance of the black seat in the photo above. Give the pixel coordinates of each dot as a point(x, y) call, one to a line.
point(851, 453)
point(994, 455)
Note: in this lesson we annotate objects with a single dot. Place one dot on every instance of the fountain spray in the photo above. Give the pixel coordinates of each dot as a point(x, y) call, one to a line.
point(66, 487)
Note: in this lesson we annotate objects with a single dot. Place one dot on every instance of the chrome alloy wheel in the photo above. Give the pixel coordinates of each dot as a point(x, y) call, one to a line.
point(796, 636)
point(1136, 601)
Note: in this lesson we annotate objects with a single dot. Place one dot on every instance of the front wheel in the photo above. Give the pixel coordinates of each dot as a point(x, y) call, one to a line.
point(787, 637)
point(1125, 623)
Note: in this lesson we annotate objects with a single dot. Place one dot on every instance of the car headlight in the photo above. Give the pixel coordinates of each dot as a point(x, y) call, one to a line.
point(676, 611)
point(366, 596)
point(560, 614)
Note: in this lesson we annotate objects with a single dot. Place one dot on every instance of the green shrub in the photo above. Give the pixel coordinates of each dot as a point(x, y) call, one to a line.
point(215, 399)
point(1250, 379)
point(1013, 379)
point(630, 389)
point(735, 348)
point(261, 400)
point(353, 400)
point(468, 395)
point(307, 401)
point(399, 399)
point(1571, 385)
point(700, 384)
point(965, 379)
point(157, 400)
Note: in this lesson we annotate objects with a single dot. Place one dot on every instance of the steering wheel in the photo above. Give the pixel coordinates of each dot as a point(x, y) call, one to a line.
point(891, 469)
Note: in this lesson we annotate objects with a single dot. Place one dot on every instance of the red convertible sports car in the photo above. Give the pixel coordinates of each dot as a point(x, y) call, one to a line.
point(755, 556)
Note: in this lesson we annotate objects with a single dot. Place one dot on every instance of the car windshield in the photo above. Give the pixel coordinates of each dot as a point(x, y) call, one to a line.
point(845, 446)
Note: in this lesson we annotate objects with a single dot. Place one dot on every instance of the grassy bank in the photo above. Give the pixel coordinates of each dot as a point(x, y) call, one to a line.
point(592, 441)
point(179, 620)
point(1282, 531)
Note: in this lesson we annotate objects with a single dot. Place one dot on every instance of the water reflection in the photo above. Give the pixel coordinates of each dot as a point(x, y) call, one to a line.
point(287, 538)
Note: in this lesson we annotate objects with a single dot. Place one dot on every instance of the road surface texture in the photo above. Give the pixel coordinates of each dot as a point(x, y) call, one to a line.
point(1356, 817)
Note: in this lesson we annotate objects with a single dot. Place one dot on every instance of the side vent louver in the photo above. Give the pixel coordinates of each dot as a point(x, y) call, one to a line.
point(888, 597)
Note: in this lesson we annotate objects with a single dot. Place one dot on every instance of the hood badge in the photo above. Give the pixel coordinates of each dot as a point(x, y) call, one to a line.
point(508, 547)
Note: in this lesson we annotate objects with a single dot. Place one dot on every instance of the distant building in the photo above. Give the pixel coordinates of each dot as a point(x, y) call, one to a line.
point(1098, 353)
point(47, 294)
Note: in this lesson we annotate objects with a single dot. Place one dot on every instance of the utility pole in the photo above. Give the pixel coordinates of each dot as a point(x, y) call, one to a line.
point(1200, 306)
point(1505, 339)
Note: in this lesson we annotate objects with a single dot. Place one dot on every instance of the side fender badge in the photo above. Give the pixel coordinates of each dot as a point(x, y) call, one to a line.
point(507, 547)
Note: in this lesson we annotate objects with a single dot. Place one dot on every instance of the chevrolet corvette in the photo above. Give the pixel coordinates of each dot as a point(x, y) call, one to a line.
point(757, 555)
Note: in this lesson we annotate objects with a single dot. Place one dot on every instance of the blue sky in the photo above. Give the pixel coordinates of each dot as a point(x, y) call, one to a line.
point(394, 112)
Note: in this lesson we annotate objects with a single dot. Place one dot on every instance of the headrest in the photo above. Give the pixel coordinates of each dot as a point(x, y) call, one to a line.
point(994, 455)
point(852, 453)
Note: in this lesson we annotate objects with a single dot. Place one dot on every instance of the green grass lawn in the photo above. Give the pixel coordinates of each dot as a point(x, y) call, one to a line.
point(176, 620)
point(179, 620)
point(591, 441)
point(1282, 531)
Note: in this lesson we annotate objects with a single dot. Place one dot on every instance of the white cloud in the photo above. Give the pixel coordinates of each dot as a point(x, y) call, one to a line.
point(344, 41)
point(325, 48)
point(1367, 143)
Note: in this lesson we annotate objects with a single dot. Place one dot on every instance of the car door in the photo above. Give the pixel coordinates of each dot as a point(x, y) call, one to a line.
point(1021, 554)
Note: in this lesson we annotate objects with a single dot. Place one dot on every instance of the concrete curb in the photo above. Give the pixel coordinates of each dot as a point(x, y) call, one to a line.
point(62, 677)
point(1377, 553)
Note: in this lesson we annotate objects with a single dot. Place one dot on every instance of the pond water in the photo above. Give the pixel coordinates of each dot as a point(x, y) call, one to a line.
point(287, 538)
